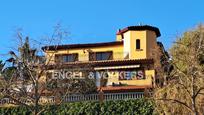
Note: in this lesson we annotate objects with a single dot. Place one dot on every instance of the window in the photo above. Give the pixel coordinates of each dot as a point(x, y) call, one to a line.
point(66, 58)
point(95, 56)
point(137, 44)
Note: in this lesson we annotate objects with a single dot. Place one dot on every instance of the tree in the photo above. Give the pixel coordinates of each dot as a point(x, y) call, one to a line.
point(24, 75)
point(184, 92)
point(161, 64)
point(23, 81)
point(1, 65)
point(75, 79)
point(1, 71)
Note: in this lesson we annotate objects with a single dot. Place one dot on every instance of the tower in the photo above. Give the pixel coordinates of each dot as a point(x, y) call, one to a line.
point(138, 41)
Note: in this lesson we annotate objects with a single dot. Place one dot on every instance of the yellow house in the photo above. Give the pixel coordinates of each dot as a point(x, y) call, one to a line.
point(126, 63)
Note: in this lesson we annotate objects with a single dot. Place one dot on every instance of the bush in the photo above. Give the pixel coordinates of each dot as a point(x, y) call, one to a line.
point(125, 107)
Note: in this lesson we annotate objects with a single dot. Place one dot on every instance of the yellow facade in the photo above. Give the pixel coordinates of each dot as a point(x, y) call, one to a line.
point(148, 43)
point(124, 51)
point(147, 40)
point(84, 55)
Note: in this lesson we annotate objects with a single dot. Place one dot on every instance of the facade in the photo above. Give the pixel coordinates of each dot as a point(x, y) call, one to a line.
point(123, 65)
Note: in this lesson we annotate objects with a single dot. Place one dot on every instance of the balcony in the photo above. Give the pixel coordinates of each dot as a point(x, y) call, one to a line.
point(82, 97)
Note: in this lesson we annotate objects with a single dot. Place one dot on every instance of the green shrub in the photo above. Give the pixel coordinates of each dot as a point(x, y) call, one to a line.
point(124, 107)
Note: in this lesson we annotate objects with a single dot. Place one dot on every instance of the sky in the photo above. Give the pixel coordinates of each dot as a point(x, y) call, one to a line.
point(89, 21)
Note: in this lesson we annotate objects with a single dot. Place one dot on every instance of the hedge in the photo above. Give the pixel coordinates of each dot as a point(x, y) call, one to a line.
point(124, 107)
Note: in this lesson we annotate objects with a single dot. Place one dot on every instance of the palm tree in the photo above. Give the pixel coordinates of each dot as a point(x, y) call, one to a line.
point(24, 75)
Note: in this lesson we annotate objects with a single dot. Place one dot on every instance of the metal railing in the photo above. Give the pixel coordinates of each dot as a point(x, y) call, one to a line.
point(104, 97)
point(80, 97)
point(123, 96)
point(84, 97)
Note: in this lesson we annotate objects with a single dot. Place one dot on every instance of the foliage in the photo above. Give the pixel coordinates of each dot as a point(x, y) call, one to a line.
point(24, 79)
point(184, 92)
point(125, 107)
point(1, 65)
point(161, 64)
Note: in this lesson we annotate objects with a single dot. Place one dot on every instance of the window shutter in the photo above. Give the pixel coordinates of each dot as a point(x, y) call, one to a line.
point(91, 56)
point(57, 59)
point(110, 55)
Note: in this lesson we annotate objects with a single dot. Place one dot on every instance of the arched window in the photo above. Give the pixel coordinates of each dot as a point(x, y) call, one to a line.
point(137, 43)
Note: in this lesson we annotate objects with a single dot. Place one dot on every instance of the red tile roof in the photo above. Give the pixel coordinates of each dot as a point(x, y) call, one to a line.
point(143, 27)
point(75, 46)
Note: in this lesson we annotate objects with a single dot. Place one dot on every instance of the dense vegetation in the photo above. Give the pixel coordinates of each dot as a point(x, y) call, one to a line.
point(126, 107)
point(184, 92)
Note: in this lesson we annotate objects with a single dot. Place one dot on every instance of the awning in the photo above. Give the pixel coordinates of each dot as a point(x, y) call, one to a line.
point(117, 67)
point(102, 64)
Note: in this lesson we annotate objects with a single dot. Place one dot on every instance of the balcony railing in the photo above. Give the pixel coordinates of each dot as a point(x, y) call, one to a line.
point(122, 96)
point(83, 97)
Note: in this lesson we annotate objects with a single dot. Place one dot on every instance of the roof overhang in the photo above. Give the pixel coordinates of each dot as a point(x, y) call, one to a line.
point(140, 28)
point(81, 46)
